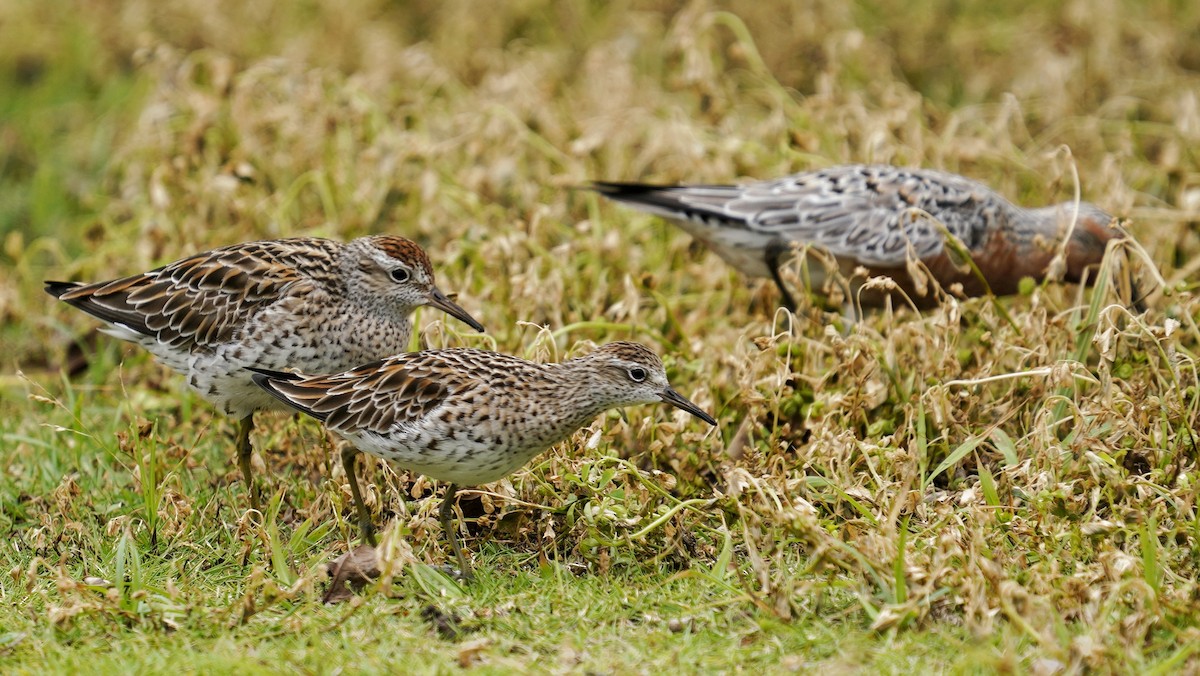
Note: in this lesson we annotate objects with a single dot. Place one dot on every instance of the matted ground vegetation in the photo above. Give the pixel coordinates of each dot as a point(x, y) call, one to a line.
point(993, 485)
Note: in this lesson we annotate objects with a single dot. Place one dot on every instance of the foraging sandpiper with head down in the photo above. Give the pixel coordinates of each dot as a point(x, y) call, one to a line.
point(469, 416)
point(306, 302)
point(876, 217)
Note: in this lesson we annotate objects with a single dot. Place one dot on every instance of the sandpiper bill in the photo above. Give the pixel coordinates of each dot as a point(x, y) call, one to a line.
point(311, 303)
point(468, 416)
point(877, 216)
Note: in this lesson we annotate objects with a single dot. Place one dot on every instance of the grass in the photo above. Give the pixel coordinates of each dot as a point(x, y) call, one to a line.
point(991, 486)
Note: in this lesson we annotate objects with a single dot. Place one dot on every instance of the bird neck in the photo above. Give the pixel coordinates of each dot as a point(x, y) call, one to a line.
point(577, 392)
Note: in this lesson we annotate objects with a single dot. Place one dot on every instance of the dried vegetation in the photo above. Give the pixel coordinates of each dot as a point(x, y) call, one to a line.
point(1019, 478)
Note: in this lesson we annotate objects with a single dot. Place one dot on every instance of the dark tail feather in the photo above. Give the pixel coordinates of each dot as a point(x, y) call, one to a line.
point(659, 199)
point(270, 381)
point(114, 310)
point(624, 186)
point(704, 202)
point(58, 289)
point(621, 190)
point(267, 374)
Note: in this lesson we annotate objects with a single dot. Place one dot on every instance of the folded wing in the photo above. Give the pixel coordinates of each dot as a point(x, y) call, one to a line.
point(200, 300)
point(374, 397)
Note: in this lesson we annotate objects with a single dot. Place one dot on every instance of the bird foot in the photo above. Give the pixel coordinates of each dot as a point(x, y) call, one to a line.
point(456, 574)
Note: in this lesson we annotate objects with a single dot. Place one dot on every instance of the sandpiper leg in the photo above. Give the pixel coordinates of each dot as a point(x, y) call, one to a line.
point(244, 451)
point(777, 253)
point(446, 512)
point(1137, 301)
point(849, 316)
point(349, 455)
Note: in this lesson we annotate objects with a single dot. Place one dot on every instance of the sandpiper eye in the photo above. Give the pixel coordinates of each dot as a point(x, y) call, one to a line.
point(400, 275)
point(637, 374)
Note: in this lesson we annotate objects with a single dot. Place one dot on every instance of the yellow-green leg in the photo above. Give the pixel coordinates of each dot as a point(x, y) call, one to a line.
point(446, 512)
point(244, 451)
point(349, 456)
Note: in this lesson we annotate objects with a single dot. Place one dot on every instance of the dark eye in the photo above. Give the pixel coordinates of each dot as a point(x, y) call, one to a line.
point(637, 374)
point(400, 275)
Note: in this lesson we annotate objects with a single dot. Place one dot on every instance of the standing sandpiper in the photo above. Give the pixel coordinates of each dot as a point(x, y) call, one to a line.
point(873, 216)
point(469, 416)
point(305, 302)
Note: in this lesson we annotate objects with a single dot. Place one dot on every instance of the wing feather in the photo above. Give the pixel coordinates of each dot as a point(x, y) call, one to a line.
point(202, 300)
point(374, 397)
point(867, 213)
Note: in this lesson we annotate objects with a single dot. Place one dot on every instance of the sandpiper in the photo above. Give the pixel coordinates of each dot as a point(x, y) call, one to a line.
point(305, 302)
point(876, 216)
point(468, 416)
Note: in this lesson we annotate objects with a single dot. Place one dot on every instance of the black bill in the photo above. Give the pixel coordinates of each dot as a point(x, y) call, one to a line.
point(439, 300)
point(675, 399)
